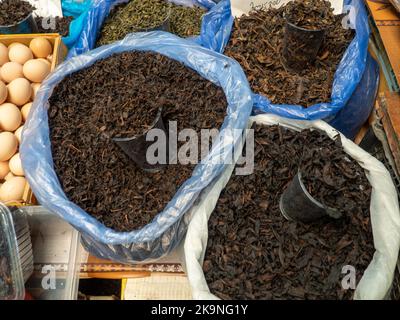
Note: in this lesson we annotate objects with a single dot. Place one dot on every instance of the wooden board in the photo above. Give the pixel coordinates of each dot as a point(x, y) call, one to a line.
point(388, 108)
point(387, 20)
point(99, 268)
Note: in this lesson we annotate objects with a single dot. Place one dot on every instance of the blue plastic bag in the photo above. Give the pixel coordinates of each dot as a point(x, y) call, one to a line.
point(168, 228)
point(78, 10)
point(215, 31)
point(347, 77)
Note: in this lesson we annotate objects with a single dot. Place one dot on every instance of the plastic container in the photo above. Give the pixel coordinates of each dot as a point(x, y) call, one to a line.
point(16, 259)
point(28, 25)
point(58, 255)
point(297, 204)
point(136, 147)
point(300, 46)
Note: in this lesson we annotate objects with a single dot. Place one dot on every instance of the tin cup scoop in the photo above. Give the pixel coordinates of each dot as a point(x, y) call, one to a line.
point(300, 46)
point(297, 204)
point(136, 147)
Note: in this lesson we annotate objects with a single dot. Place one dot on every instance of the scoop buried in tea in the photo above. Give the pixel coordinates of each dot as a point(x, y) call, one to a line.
point(136, 147)
point(300, 46)
point(297, 204)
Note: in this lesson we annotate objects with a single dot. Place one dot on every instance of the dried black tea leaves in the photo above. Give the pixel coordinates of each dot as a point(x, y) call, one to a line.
point(61, 25)
point(145, 15)
point(257, 43)
point(186, 21)
point(6, 282)
point(331, 177)
point(310, 14)
point(121, 94)
point(253, 252)
point(14, 11)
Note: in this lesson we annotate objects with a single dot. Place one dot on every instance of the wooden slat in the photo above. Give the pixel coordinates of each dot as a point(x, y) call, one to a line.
point(396, 4)
point(388, 108)
point(387, 20)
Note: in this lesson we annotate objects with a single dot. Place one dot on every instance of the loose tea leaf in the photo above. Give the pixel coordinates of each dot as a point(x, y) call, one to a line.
point(255, 253)
point(6, 285)
point(186, 21)
point(310, 14)
point(142, 15)
point(119, 94)
point(14, 11)
point(257, 44)
point(61, 25)
point(331, 177)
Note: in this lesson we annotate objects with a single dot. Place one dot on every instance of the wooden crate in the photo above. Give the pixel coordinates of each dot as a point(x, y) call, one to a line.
point(59, 53)
point(59, 49)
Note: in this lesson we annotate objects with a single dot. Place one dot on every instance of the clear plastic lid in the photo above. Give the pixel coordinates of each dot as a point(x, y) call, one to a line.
point(11, 275)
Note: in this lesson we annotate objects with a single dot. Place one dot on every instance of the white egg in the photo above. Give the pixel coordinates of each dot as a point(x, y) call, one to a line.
point(19, 91)
point(10, 117)
point(20, 53)
point(18, 133)
point(25, 110)
point(15, 165)
point(4, 169)
point(13, 189)
point(3, 92)
point(9, 145)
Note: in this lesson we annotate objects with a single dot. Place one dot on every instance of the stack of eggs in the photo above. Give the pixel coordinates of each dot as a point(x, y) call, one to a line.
point(22, 70)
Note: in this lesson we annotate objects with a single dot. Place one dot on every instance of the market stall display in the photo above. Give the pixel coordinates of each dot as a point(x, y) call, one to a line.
point(317, 218)
point(287, 259)
point(168, 226)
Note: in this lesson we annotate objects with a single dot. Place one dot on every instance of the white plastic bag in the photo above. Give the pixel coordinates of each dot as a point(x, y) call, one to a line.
point(384, 210)
point(47, 8)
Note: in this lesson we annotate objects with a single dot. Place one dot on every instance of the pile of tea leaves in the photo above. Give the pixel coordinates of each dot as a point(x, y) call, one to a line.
point(253, 252)
point(257, 43)
point(14, 11)
point(331, 177)
point(121, 95)
point(145, 15)
point(61, 25)
point(310, 14)
point(6, 283)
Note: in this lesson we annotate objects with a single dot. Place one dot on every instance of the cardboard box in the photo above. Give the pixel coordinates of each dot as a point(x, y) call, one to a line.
point(59, 53)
